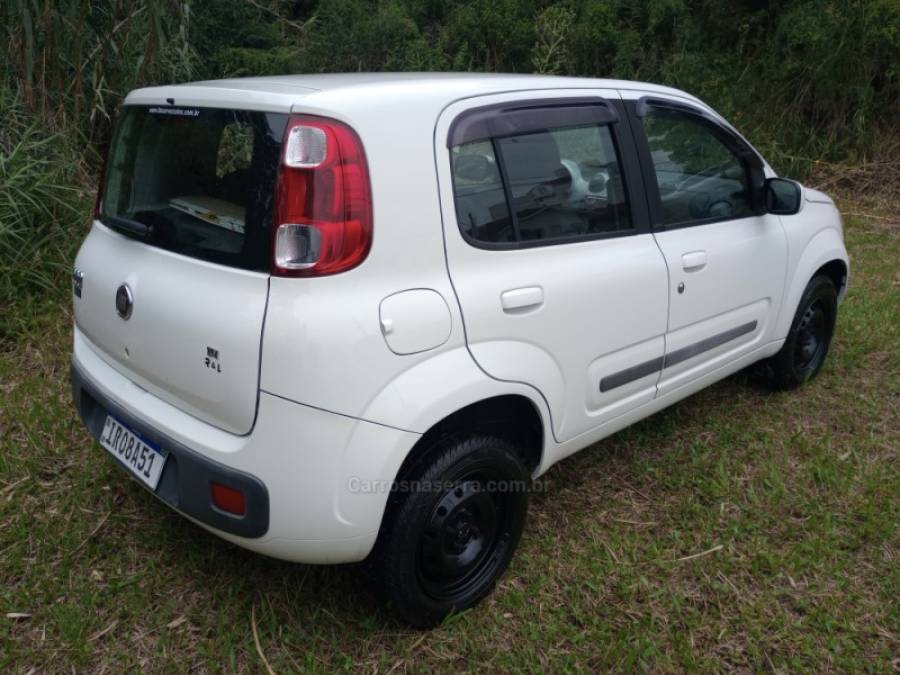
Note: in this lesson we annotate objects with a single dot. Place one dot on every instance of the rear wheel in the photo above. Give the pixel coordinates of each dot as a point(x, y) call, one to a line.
point(807, 343)
point(451, 528)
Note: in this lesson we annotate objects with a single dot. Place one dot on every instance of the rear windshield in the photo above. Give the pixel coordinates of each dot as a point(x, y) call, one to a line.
point(196, 181)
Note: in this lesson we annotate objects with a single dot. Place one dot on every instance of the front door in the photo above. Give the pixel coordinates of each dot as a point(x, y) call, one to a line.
point(560, 282)
point(726, 260)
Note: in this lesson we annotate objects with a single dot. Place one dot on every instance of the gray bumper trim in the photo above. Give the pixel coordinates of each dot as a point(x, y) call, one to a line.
point(184, 484)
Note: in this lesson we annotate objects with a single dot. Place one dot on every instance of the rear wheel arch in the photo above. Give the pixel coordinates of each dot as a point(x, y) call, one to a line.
point(512, 417)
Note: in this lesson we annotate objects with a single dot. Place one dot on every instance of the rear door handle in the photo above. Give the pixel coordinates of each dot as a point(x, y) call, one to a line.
point(517, 299)
point(693, 261)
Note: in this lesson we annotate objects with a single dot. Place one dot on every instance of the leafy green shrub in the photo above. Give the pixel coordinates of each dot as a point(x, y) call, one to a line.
point(804, 80)
point(42, 211)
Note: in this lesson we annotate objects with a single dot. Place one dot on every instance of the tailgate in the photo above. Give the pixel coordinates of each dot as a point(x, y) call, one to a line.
point(193, 335)
point(172, 281)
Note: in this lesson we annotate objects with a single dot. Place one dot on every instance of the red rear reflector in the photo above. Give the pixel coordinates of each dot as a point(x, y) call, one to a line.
point(323, 201)
point(228, 499)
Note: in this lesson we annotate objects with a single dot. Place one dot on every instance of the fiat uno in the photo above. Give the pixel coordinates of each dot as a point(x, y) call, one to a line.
point(336, 318)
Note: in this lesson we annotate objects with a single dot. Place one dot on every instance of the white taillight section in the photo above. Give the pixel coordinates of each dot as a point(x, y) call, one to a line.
point(307, 147)
point(297, 247)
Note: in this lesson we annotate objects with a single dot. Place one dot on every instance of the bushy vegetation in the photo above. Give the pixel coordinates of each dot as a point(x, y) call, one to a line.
point(804, 79)
point(735, 531)
point(43, 205)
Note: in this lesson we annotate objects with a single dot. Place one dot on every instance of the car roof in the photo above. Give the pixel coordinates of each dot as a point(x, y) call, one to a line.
point(441, 88)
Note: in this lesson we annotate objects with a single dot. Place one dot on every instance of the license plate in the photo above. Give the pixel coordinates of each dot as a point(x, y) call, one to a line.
point(144, 459)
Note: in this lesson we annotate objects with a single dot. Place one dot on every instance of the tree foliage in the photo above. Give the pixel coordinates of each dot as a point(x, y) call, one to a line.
point(801, 78)
point(805, 77)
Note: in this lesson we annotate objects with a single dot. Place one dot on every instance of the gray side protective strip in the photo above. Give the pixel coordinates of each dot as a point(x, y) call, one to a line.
point(631, 374)
point(659, 363)
point(705, 345)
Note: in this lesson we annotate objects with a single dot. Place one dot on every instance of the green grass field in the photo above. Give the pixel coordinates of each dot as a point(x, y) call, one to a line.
point(738, 530)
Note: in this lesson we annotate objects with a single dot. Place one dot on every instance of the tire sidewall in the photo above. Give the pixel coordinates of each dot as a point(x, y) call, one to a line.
point(820, 289)
point(412, 510)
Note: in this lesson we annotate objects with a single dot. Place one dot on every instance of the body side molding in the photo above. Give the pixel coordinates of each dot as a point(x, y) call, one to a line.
point(640, 370)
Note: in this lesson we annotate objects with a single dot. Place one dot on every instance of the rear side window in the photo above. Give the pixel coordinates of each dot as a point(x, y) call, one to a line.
point(699, 177)
point(551, 185)
point(196, 181)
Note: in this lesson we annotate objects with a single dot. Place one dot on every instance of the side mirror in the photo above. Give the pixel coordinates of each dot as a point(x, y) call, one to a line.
point(474, 168)
point(783, 196)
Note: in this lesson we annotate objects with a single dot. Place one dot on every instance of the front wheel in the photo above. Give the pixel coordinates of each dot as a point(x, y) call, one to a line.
point(806, 346)
point(451, 528)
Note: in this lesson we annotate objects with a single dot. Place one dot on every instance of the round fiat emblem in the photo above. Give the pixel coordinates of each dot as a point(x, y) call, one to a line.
point(124, 301)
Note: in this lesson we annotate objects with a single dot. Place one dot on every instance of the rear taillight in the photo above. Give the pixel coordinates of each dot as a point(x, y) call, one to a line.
point(323, 203)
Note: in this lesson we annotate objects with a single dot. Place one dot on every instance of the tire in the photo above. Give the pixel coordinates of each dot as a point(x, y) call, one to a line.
point(807, 342)
point(451, 528)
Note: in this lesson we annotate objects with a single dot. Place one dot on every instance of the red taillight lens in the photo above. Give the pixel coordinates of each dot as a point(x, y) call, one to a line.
point(228, 499)
point(323, 203)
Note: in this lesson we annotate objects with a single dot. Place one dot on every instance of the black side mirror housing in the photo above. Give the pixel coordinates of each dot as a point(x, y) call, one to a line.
point(783, 196)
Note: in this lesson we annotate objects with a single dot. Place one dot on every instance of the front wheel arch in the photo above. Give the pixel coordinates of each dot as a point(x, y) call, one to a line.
point(837, 271)
point(823, 253)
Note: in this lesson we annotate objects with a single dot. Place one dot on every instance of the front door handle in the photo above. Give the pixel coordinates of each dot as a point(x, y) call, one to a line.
point(517, 299)
point(693, 261)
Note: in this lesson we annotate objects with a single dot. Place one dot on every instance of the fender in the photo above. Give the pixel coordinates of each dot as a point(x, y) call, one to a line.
point(513, 359)
point(824, 246)
point(410, 396)
point(375, 452)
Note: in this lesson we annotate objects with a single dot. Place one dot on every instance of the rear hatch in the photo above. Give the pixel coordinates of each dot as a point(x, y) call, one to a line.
point(174, 278)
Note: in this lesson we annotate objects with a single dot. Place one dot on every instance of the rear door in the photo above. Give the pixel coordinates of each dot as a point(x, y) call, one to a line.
point(560, 282)
point(173, 278)
point(726, 258)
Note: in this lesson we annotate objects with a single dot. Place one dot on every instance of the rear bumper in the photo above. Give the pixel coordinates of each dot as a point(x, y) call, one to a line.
point(185, 481)
point(315, 480)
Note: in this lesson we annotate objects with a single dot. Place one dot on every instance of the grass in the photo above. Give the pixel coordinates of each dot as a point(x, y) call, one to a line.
point(737, 530)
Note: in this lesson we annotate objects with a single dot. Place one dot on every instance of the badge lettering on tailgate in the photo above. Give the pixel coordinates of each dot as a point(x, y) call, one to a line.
point(212, 359)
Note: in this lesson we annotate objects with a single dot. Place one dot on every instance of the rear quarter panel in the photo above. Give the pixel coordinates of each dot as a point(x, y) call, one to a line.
point(323, 342)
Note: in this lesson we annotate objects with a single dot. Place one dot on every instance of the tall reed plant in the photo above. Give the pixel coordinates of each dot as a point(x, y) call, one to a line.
point(42, 207)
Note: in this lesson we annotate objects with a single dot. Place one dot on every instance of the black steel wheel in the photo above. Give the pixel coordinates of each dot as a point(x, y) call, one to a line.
point(804, 351)
point(813, 335)
point(452, 528)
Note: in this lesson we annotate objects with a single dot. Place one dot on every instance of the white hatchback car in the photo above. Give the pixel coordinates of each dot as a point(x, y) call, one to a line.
point(340, 317)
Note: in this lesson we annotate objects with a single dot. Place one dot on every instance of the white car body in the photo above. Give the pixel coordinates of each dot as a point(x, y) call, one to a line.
point(323, 386)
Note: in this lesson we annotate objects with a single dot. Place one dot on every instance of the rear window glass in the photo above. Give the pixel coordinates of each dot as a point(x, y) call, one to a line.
point(551, 186)
point(196, 181)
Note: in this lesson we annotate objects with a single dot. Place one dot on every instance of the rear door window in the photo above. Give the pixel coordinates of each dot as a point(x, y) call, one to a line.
point(552, 185)
point(196, 181)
